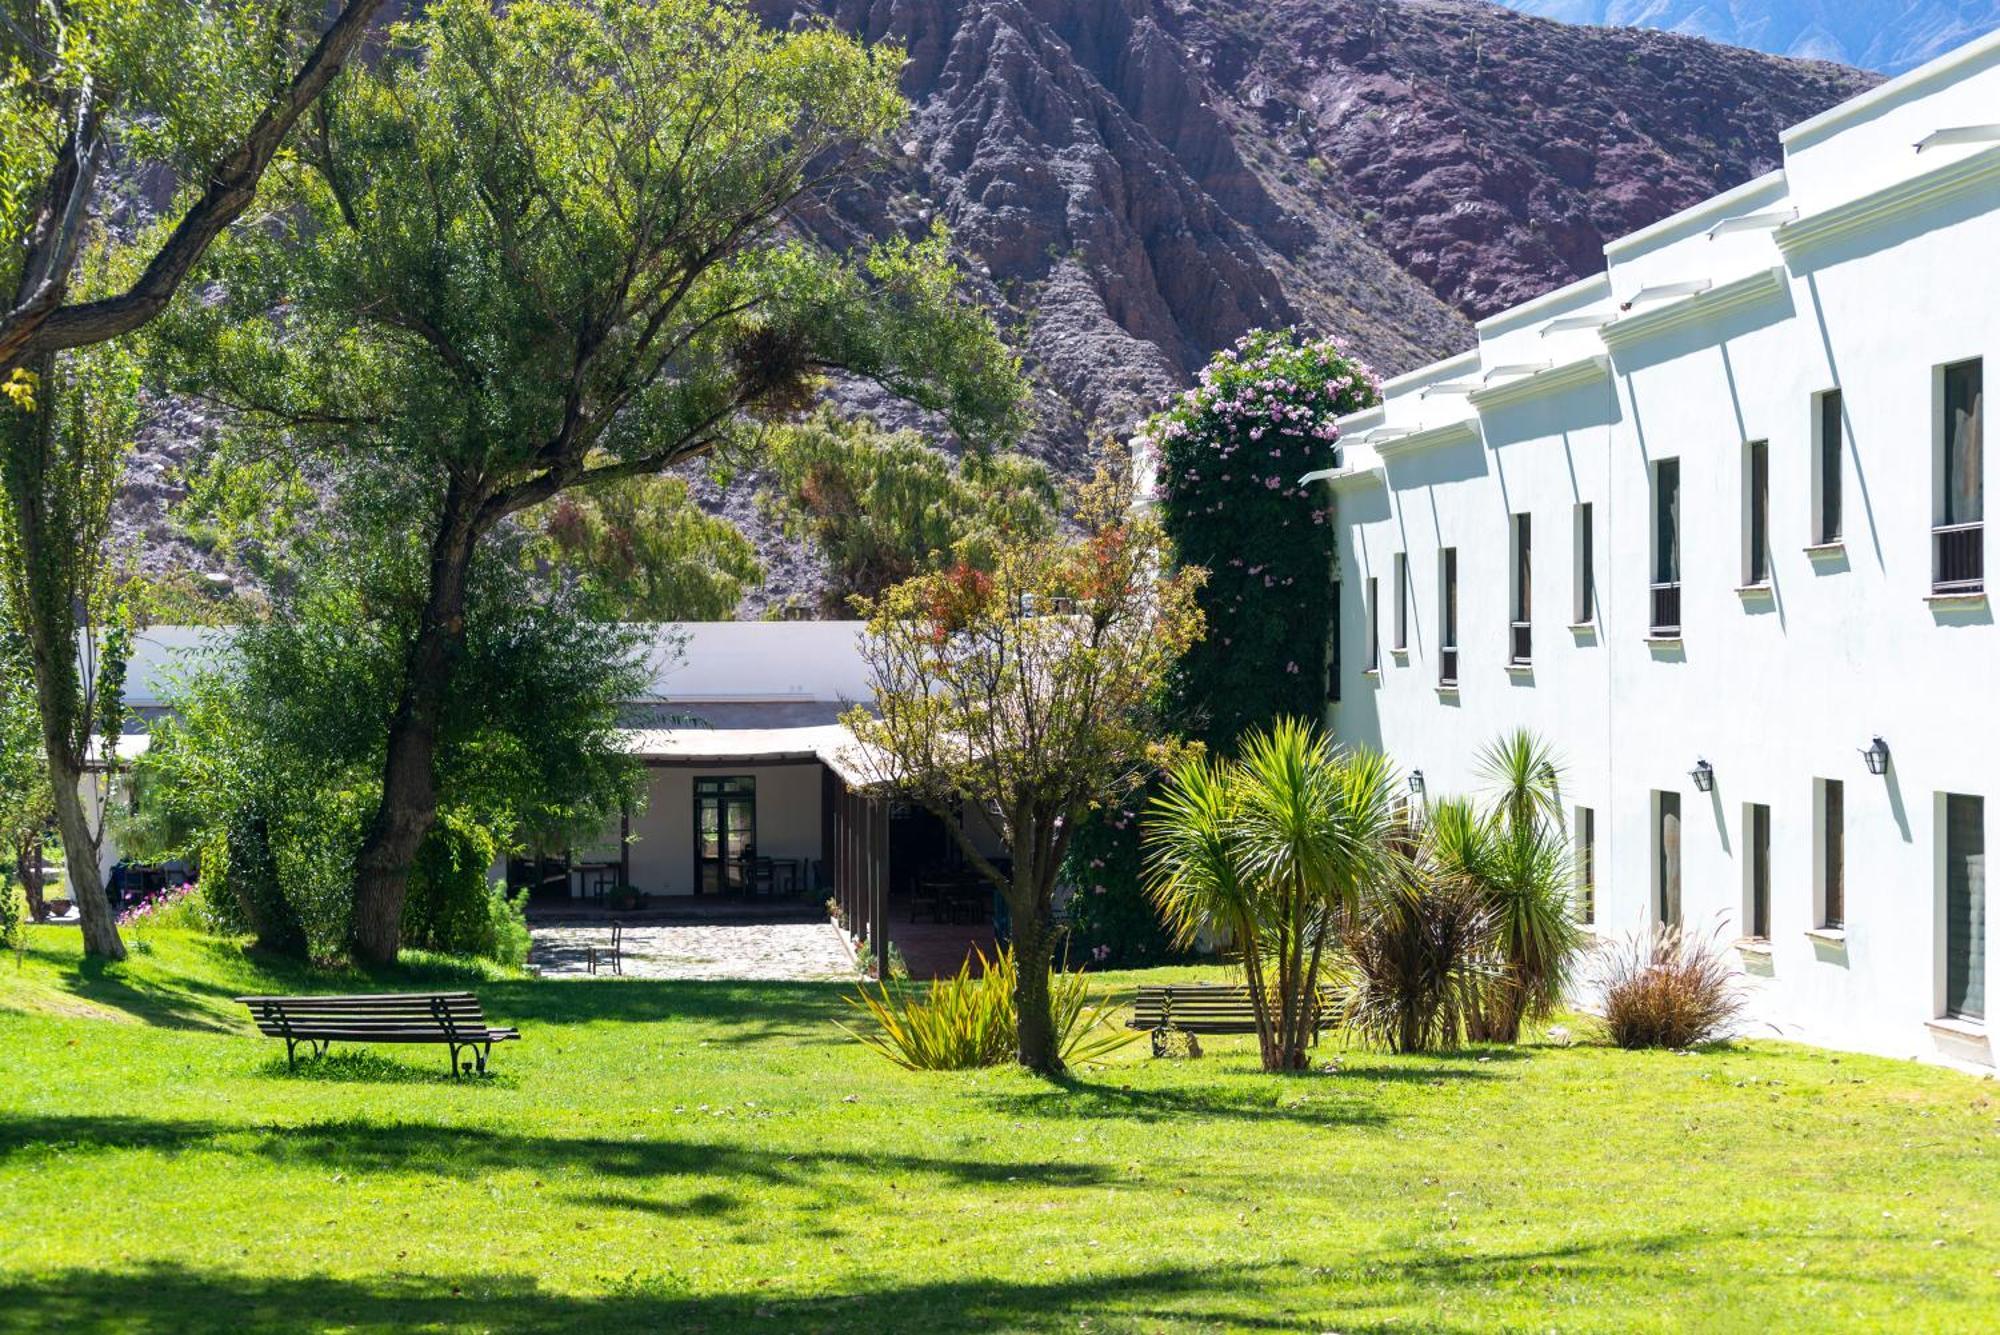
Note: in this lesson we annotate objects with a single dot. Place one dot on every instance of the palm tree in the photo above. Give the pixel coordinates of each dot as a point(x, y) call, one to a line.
point(1276, 851)
point(1525, 777)
point(1517, 853)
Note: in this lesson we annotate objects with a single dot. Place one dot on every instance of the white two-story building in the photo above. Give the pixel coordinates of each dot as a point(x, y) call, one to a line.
point(1712, 523)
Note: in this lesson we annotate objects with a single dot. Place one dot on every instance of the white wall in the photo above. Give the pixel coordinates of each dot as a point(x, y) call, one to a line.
point(788, 821)
point(1775, 687)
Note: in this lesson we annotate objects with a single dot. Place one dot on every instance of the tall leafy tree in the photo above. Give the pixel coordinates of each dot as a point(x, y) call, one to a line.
point(649, 552)
point(1030, 692)
point(200, 93)
point(26, 805)
point(543, 248)
point(883, 506)
point(61, 455)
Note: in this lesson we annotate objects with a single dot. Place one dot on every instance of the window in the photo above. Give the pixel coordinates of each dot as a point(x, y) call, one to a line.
point(1964, 907)
point(1827, 441)
point(1667, 857)
point(1666, 619)
point(1757, 872)
point(1959, 537)
point(1586, 865)
point(1374, 628)
point(725, 834)
point(1757, 513)
point(1448, 617)
point(1832, 848)
point(1402, 640)
point(1521, 648)
point(1585, 608)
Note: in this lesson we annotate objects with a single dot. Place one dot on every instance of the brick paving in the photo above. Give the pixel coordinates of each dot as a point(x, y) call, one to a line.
point(765, 951)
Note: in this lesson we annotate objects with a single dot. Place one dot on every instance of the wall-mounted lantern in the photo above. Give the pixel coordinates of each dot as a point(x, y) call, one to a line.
point(1703, 775)
point(1876, 756)
point(1417, 782)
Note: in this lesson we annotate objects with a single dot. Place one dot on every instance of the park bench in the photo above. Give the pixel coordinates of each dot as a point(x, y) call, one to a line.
point(451, 1018)
point(1201, 1008)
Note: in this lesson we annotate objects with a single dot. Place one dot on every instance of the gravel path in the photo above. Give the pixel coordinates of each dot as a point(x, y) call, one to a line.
point(762, 951)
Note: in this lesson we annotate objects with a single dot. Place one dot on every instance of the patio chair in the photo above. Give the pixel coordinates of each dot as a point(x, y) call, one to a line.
point(611, 956)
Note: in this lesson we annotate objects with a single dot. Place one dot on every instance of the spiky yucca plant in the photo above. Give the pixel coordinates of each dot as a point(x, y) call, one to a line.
point(969, 1020)
point(1274, 853)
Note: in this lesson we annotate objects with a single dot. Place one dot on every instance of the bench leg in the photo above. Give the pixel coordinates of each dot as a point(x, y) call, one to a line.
point(292, 1054)
point(453, 1059)
point(484, 1051)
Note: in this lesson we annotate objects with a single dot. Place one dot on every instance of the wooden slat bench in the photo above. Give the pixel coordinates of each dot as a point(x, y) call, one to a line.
point(451, 1018)
point(1201, 1008)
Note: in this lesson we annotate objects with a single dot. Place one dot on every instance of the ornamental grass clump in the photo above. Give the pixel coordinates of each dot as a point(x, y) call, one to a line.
point(1670, 989)
point(1419, 960)
point(968, 1020)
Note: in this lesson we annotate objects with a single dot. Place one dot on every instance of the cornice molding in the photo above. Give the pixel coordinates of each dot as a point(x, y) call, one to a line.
point(1463, 431)
point(1733, 295)
point(1800, 238)
point(1569, 375)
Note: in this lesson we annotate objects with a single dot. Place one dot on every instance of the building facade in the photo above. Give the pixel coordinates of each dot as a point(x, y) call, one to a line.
point(1712, 524)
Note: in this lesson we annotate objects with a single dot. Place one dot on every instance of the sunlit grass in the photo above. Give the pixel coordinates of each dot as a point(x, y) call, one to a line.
point(685, 1156)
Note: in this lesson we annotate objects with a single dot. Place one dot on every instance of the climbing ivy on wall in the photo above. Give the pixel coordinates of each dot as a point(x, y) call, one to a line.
point(1231, 451)
point(1229, 455)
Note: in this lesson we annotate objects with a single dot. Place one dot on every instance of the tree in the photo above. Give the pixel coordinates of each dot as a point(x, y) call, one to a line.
point(269, 764)
point(62, 452)
point(1276, 852)
point(204, 92)
point(1230, 453)
point(1030, 692)
point(541, 249)
point(882, 507)
point(198, 93)
point(649, 552)
point(1515, 853)
point(26, 805)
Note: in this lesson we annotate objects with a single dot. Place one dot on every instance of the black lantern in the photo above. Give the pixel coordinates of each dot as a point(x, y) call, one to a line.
point(1703, 775)
point(1417, 782)
point(1876, 756)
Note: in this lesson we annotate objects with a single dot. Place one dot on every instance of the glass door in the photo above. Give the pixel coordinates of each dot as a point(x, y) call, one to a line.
point(725, 834)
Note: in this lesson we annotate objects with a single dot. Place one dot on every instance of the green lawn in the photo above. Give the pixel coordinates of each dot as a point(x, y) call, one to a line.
point(702, 1156)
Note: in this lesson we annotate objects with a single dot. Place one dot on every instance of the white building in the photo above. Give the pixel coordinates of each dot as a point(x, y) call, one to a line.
point(1723, 504)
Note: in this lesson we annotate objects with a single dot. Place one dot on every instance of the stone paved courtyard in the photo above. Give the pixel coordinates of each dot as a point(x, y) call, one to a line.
point(770, 950)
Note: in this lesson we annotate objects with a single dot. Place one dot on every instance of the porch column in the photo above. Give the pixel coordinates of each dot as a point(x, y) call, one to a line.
point(878, 923)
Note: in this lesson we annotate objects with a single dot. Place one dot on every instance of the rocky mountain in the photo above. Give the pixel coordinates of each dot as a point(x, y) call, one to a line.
point(1135, 183)
point(1886, 35)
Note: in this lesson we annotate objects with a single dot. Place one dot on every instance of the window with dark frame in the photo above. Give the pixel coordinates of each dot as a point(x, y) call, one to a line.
point(1402, 640)
point(1959, 536)
point(1757, 513)
point(1586, 566)
point(1521, 643)
point(1758, 920)
point(1374, 610)
point(1827, 469)
point(1832, 854)
point(1586, 865)
point(1666, 587)
point(1448, 617)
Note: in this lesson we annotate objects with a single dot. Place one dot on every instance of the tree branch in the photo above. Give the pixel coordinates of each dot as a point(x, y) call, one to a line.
point(232, 185)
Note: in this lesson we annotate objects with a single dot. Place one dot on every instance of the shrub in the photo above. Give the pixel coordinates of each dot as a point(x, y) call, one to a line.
point(1230, 453)
point(1110, 917)
point(1419, 959)
point(1670, 989)
point(13, 912)
point(968, 1020)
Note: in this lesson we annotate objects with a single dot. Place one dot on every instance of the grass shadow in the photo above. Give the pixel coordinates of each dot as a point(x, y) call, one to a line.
point(463, 1152)
point(171, 1297)
point(369, 1068)
point(1073, 1097)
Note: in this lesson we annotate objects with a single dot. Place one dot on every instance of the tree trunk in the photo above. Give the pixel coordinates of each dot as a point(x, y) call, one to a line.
point(1034, 953)
point(86, 885)
point(28, 860)
point(45, 595)
point(409, 781)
